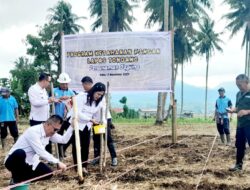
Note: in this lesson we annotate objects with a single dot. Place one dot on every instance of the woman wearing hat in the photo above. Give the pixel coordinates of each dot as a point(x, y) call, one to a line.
point(89, 105)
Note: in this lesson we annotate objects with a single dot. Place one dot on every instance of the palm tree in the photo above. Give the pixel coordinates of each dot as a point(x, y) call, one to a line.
point(187, 12)
point(207, 42)
point(119, 14)
point(62, 21)
point(105, 20)
point(239, 18)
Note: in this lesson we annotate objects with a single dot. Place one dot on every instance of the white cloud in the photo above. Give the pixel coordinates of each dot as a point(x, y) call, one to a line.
point(12, 46)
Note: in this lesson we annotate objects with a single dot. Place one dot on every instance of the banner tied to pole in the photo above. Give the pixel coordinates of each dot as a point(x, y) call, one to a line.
point(130, 61)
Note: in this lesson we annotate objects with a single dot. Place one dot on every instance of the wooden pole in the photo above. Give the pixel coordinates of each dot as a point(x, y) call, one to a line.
point(105, 28)
point(174, 124)
point(77, 139)
point(106, 128)
point(101, 144)
point(62, 57)
point(53, 112)
point(166, 18)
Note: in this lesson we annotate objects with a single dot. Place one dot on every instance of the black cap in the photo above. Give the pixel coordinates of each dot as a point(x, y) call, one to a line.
point(221, 89)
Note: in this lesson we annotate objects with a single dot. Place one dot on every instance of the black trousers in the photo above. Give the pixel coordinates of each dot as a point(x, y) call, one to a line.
point(242, 134)
point(64, 127)
point(12, 128)
point(110, 143)
point(21, 171)
point(223, 128)
point(84, 143)
point(34, 122)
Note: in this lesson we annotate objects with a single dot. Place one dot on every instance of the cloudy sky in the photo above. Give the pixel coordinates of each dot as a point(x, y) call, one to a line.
point(21, 17)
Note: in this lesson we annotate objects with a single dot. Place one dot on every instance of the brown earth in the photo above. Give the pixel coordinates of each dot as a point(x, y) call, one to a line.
point(156, 164)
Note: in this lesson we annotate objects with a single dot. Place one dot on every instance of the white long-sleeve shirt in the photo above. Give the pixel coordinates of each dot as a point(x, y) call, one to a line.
point(33, 142)
point(87, 112)
point(38, 98)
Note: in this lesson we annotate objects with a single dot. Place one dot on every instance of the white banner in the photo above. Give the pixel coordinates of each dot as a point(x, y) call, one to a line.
point(130, 61)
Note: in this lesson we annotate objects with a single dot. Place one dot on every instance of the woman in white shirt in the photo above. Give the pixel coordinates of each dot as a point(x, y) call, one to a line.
point(89, 104)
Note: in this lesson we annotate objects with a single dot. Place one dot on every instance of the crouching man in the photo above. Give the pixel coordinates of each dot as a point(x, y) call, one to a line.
point(23, 159)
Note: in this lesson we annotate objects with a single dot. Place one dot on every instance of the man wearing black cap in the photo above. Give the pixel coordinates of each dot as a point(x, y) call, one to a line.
point(221, 116)
point(8, 115)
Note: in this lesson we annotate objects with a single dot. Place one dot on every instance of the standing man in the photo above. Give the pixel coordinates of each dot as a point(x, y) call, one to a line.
point(23, 159)
point(87, 84)
point(8, 115)
point(221, 116)
point(64, 94)
point(40, 101)
point(243, 114)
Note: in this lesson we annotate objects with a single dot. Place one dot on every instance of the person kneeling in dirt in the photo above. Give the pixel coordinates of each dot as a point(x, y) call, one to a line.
point(243, 114)
point(23, 158)
point(221, 116)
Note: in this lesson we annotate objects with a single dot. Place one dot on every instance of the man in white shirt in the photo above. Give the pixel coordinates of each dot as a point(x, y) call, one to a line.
point(23, 158)
point(39, 100)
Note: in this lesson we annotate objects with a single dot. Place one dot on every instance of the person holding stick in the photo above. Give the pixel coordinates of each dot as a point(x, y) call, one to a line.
point(39, 101)
point(87, 83)
point(89, 104)
point(64, 94)
point(23, 159)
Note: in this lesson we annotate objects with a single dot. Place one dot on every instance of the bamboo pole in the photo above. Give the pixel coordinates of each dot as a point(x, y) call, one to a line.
point(105, 28)
point(106, 128)
point(174, 124)
point(53, 112)
point(61, 69)
point(77, 139)
point(101, 144)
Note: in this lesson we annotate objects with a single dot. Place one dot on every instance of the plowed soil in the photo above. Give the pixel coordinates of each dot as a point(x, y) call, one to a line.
point(157, 164)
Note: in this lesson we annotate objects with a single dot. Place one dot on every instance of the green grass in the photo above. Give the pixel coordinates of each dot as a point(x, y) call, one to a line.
point(151, 121)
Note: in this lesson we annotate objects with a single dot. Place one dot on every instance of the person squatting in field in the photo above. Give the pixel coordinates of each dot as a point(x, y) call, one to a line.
point(23, 159)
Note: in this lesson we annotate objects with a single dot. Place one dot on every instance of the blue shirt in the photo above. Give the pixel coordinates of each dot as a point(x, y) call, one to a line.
point(60, 107)
point(221, 104)
point(7, 109)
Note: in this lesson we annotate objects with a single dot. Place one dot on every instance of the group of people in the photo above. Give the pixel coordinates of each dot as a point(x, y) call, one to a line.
point(223, 115)
point(35, 142)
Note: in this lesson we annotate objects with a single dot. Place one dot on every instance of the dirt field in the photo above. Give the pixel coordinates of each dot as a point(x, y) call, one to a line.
point(157, 164)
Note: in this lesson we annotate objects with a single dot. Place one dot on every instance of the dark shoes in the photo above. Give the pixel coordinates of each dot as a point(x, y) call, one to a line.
point(114, 162)
point(96, 161)
point(237, 167)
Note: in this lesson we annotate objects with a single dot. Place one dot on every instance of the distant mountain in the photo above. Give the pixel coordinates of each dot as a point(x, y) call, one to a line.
point(194, 97)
